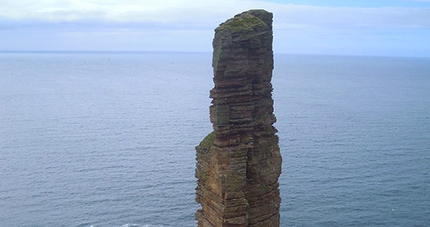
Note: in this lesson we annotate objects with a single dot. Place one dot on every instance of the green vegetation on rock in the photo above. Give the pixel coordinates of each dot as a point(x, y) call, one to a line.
point(208, 141)
point(244, 22)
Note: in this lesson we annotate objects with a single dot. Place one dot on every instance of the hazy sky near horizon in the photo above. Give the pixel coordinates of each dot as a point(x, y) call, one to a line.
point(340, 27)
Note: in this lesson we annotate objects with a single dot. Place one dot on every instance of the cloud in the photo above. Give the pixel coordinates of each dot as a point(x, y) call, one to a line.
point(210, 12)
point(312, 17)
point(164, 11)
point(188, 25)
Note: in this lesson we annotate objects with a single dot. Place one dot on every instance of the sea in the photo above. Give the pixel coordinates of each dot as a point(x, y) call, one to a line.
point(107, 139)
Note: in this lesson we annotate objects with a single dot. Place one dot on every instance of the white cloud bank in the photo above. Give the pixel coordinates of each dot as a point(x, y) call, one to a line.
point(151, 24)
point(196, 12)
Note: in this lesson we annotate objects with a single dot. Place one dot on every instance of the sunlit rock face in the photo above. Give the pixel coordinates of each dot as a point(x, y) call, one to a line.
point(238, 165)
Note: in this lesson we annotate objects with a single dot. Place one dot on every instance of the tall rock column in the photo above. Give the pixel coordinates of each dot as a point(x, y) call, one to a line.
point(238, 165)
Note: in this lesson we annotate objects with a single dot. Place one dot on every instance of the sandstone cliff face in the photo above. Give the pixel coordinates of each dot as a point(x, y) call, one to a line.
point(238, 165)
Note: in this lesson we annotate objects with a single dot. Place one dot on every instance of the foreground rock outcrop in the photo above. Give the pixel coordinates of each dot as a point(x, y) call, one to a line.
point(238, 165)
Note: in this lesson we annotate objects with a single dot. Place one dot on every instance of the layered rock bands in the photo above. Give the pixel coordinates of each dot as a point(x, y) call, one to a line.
point(238, 165)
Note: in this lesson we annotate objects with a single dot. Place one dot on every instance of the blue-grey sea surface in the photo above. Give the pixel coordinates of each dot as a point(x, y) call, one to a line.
point(107, 139)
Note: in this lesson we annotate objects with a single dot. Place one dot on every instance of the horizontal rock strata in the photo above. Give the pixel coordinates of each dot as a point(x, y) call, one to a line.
point(238, 165)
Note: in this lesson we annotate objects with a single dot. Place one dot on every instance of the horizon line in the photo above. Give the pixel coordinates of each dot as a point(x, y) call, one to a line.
point(182, 52)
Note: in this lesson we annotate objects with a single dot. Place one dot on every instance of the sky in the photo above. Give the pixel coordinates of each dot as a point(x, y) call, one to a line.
point(330, 27)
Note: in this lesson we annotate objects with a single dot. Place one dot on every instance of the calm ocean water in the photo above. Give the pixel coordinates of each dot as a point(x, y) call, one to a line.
point(108, 139)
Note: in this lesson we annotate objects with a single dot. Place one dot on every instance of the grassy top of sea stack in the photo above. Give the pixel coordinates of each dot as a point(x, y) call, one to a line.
point(243, 22)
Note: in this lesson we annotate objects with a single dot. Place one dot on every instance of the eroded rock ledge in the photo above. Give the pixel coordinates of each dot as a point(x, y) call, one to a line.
point(238, 165)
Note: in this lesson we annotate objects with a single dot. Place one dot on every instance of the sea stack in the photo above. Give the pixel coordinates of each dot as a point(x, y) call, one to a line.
point(238, 165)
